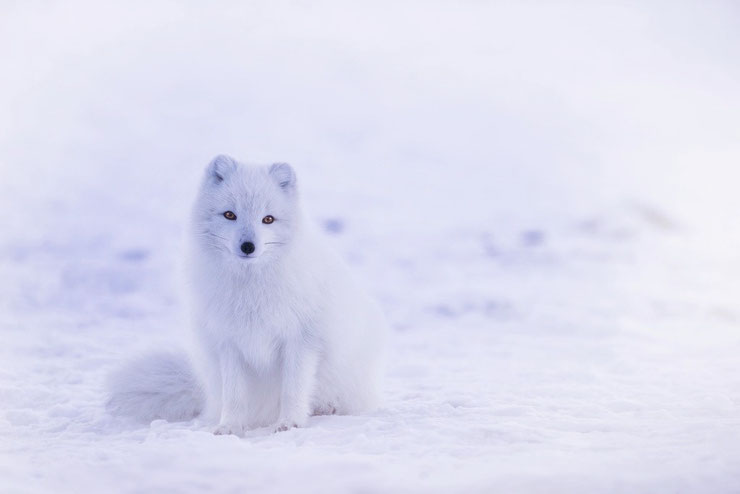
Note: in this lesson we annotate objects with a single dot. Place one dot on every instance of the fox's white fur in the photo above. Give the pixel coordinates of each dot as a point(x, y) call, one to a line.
point(282, 332)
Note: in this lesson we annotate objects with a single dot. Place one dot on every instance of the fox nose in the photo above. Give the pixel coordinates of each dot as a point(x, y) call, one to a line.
point(247, 247)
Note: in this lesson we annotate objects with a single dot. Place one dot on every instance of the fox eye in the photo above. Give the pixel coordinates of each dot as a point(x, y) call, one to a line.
point(229, 215)
point(268, 219)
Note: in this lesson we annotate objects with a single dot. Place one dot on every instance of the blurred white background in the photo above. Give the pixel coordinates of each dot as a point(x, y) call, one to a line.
point(534, 108)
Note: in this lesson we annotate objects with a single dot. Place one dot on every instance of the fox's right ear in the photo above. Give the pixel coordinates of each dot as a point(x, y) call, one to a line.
point(220, 167)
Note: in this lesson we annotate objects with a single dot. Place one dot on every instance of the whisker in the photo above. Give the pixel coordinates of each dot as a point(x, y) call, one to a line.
point(211, 235)
point(278, 243)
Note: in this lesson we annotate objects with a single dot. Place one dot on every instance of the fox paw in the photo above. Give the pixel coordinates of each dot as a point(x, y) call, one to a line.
point(285, 425)
point(229, 429)
point(327, 409)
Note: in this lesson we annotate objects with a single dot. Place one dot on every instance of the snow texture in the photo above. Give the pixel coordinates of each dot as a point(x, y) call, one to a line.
point(542, 196)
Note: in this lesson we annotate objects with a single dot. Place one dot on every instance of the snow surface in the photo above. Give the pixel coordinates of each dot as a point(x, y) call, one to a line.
point(542, 196)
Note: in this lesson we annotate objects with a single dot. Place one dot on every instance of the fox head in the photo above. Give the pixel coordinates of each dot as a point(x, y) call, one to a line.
point(247, 213)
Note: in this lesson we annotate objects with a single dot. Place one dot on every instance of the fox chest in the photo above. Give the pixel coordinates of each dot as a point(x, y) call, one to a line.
point(260, 327)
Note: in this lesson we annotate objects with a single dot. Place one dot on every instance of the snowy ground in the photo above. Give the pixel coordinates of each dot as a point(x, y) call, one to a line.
point(541, 196)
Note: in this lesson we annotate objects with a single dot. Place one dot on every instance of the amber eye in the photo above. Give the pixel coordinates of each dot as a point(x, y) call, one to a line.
point(229, 215)
point(268, 219)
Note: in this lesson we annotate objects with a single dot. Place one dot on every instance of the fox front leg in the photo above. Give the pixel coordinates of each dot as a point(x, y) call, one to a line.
point(298, 382)
point(233, 393)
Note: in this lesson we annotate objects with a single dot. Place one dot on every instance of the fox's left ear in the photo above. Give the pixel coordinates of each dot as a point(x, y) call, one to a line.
point(284, 175)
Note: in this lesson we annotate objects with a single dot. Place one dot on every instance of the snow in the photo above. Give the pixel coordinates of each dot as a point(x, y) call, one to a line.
point(542, 197)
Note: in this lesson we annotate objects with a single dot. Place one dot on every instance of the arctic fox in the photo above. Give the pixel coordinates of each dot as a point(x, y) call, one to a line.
point(281, 330)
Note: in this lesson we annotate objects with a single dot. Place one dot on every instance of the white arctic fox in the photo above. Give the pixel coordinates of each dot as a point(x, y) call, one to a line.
point(281, 330)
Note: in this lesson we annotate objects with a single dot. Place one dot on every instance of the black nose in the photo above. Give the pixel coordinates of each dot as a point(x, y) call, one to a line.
point(247, 247)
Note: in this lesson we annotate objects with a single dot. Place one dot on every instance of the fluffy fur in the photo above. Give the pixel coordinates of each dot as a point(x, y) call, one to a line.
point(282, 332)
point(157, 386)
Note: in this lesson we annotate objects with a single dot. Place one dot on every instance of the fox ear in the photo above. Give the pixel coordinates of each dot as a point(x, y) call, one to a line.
point(284, 175)
point(220, 167)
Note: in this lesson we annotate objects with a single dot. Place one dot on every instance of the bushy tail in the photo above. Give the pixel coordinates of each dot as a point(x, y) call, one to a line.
point(156, 386)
